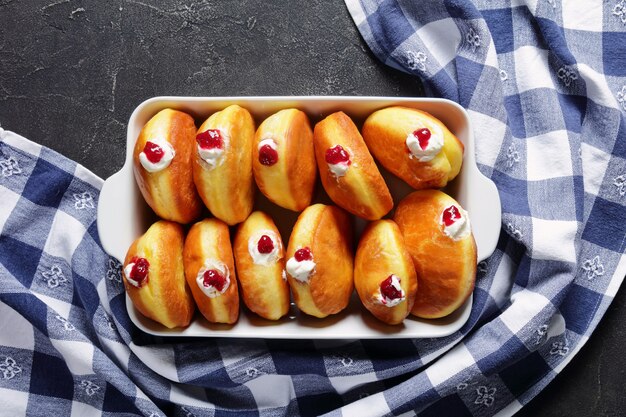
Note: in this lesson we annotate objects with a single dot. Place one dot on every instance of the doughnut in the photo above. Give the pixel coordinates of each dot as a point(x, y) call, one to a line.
point(222, 165)
point(413, 145)
point(283, 160)
point(438, 236)
point(210, 271)
point(384, 275)
point(320, 264)
point(260, 261)
point(347, 170)
point(162, 166)
point(154, 276)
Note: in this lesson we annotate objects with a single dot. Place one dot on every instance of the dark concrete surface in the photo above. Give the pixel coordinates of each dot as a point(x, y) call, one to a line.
point(71, 72)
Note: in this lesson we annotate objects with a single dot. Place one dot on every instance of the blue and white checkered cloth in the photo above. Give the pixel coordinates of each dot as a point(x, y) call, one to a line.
point(545, 87)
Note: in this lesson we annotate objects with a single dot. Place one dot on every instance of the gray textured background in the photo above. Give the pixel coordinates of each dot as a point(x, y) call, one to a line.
point(71, 72)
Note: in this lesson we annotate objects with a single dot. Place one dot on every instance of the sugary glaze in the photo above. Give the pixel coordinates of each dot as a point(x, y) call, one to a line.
point(170, 191)
point(261, 266)
point(355, 184)
point(445, 266)
point(380, 255)
point(163, 295)
point(327, 232)
point(225, 183)
point(207, 248)
point(290, 180)
point(386, 133)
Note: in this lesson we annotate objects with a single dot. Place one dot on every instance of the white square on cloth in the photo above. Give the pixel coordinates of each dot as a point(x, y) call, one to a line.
point(83, 410)
point(455, 361)
point(532, 69)
point(65, 236)
point(374, 405)
point(7, 204)
point(553, 240)
point(15, 330)
point(78, 356)
point(595, 162)
point(13, 403)
point(582, 15)
point(488, 137)
point(546, 156)
point(524, 306)
point(194, 396)
point(442, 37)
point(264, 389)
point(343, 384)
point(597, 88)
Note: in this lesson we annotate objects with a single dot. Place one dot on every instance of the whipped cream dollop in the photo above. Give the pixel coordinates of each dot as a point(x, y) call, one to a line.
point(213, 156)
point(425, 146)
point(166, 158)
point(209, 290)
point(300, 270)
point(127, 273)
point(393, 286)
point(269, 142)
point(211, 145)
point(339, 170)
point(338, 160)
point(455, 222)
point(264, 259)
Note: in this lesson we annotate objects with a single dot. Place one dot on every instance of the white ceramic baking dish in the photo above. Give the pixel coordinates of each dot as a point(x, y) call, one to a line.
point(123, 215)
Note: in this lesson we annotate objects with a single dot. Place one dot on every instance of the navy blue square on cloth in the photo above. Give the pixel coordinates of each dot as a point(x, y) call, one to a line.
point(115, 401)
point(614, 53)
point(51, 377)
point(385, 355)
point(452, 405)
point(14, 253)
point(315, 405)
point(389, 14)
point(500, 22)
point(513, 106)
point(47, 184)
point(296, 357)
point(606, 226)
point(574, 108)
point(579, 299)
point(510, 191)
point(523, 374)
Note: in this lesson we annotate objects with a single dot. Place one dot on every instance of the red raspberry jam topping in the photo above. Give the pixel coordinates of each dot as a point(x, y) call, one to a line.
point(265, 244)
point(210, 139)
point(139, 272)
point(451, 215)
point(303, 254)
point(214, 278)
point(268, 155)
point(337, 155)
point(388, 290)
point(423, 136)
point(153, 152)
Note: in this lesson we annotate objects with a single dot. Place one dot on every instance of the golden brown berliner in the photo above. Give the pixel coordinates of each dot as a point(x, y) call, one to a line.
point(384, 275)
point(348, 171)
point(320, 265)
point(162, 166)
point(438, 235)
point(283, 161)
point(260, 260)
point(210, 271)
point(413, 145)
point(154, 276)
point(222, 166)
